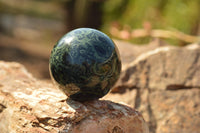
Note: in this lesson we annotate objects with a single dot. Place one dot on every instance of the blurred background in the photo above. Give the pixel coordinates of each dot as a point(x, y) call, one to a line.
point(30, 28)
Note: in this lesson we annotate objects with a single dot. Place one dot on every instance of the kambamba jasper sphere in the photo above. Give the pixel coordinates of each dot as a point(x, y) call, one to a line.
point(85, 64)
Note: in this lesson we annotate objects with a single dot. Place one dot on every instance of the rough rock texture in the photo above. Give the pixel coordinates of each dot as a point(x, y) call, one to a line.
point(129, 52)
point(177, 111)
point(31, 106)
point(164, 68)
point(164, 85)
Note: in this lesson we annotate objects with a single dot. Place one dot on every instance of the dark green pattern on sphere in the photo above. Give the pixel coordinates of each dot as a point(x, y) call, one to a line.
point(85, 64)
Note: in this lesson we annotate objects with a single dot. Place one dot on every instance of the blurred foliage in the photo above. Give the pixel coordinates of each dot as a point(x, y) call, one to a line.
point(126, 15)
point(35, 8)
point(181, 15)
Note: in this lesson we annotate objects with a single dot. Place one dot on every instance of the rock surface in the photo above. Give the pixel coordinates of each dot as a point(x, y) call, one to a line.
point(129, 52)
point(31, 106)
point(164, 85)
point(164, 68)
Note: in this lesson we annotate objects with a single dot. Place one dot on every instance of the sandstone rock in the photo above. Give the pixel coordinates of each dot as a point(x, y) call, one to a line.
point(164, 68)
point(129, 52)
point(166, 111)
point(31, 106)
point(164, 85)
point(176, 112)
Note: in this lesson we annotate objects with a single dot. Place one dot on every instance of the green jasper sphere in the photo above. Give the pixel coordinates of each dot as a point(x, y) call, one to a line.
point(85, 64)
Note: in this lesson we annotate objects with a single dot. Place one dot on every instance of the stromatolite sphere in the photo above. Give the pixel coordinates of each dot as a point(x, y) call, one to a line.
point(85, 64)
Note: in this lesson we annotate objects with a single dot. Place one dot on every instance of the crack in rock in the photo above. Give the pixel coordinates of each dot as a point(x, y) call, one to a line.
point(2, 107)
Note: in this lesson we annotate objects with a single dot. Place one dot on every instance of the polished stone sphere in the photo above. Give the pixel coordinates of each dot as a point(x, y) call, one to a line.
point(85, 64)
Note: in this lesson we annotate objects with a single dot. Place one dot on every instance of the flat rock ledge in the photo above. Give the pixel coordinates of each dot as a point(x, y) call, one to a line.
point(31, 106)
